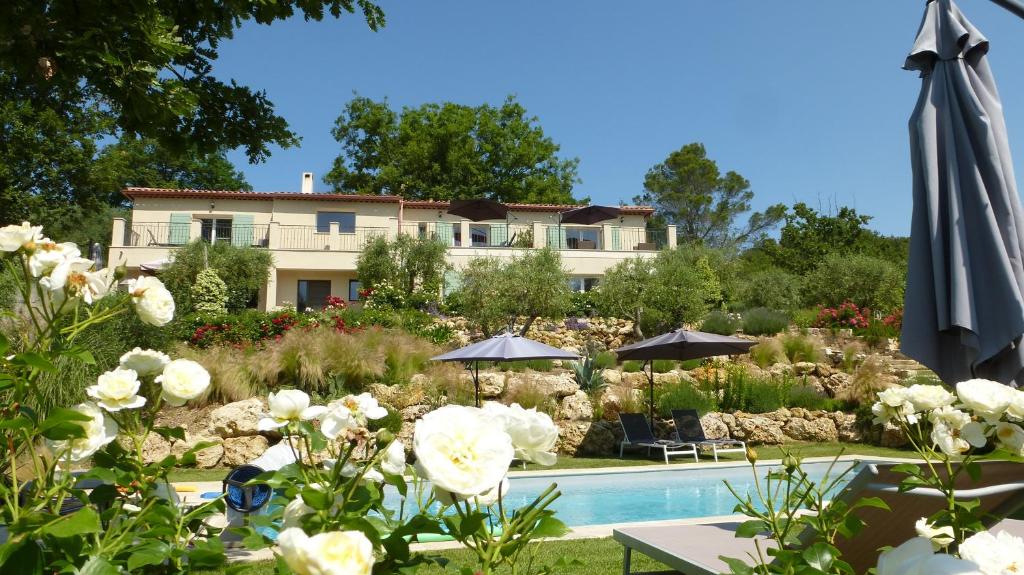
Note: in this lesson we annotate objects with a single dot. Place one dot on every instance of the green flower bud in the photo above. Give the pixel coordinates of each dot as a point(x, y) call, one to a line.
point(751, 455)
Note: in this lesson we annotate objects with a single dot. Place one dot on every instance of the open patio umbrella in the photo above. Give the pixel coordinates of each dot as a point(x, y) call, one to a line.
point(502, 347)
point(680, 345)
point(589, 215)
point(478, 210)
point(964, 308)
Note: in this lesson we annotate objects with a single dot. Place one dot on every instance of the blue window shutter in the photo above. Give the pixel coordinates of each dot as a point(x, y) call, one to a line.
point(616, 238)
point(179, 229)
point(444, 233)
point(555, 240)
point(499, 234)
point(241, 230)
point(452, 281)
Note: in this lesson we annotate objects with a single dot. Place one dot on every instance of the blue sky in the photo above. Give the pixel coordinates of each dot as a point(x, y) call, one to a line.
point(805, 98)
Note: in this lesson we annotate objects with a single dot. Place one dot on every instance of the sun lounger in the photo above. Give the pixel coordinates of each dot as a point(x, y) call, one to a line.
point(689, 429)
point(638, 434)
point(695, 549)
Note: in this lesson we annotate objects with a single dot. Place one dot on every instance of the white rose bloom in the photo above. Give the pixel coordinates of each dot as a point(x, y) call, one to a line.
point(294, 511)
point(894, 396)
point(1016, 407)
point(986, 398)
point(14, 237)
point(954, 432)
point(995, 554)
point(182, 380)
point(461, 451)
point(949, 416)
point(939, 536)
point(533, 433)
point(289, 405)
point(68, 268)
point(145, 362)
point(337, 420)
point(332, 553)
point(116, 390)
point(152, 301)
point(884, 413)
point(350, 412)
point(393, 462)
point(929, 397)
point(91, 286)
point(915, 557)
point(49, 254)
point(1011, 437)
point(100, 430)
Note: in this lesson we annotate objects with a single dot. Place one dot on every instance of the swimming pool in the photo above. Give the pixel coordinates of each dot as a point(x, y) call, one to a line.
point(645, 495)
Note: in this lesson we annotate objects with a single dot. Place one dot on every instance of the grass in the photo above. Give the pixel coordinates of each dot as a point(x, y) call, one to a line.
point(764, 453)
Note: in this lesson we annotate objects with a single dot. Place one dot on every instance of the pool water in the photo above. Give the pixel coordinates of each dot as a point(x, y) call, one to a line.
point(645, 495)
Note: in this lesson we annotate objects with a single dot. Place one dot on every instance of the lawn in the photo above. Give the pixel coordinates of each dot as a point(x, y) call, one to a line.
point(595, 556)
point(766, 452)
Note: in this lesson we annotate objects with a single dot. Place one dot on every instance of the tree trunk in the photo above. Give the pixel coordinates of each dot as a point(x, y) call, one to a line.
point(636, 324)
point(526, 326)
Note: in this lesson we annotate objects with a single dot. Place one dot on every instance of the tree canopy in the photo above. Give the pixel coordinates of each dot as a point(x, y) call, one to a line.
point(150, 66)
point(445, 151)
point(689, 190)
point(244, 271)
point(413, 265)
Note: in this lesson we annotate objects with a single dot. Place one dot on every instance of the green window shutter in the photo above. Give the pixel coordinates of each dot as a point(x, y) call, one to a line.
point(616, 238)
point(179, 229)
point(499, 234)
point(452, 281)
point(241, 230)
point(553, 236)
point(444, 233)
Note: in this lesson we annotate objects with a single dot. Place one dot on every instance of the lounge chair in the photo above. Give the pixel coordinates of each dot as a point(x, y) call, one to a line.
point(638, 434)
point(689, 429)
point(695, 549)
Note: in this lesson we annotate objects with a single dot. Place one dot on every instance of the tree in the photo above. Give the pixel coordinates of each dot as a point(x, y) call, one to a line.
point(864, 280)
point(688, 190)
point(147, 164)
point(150, 65)
point(623, 291)
point(808, 236)
point(411, 264)
point(496, 294)
point(244, 271)
point(771, 288)
point(448, 151)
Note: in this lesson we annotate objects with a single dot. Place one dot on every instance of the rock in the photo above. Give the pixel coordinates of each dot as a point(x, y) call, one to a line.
point(242, 450)
point(822, 370)
point(781, 415)
point(821, 430)
point(556, 385)
point(714, 427)
point(669, 378)
point(585, 438)
point(238, 419)
point(155, 448)
point(837, 383)
point(893, 436)
point(635, 379)
point(491, 384)
point(205, 458)
point(612, 376)
point(799, 412)
point(576, 407)
point(803, 368)
point(780, 369)
point(414, 412)
point(847, 428)
point(614, 397)
point(385, 393)
point(758, 430)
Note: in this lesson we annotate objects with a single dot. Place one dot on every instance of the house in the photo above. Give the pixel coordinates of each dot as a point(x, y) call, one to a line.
point(316, 238)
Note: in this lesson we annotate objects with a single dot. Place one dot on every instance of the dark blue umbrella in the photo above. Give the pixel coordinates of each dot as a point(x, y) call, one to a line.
point(681, 345)
point(502, 347)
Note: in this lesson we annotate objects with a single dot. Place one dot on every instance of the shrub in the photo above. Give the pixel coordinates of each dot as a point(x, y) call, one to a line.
point(807, 397)
point(581, 304)
point(663, 365)
point(851, 353)
point(209, 293)
point(866, 383)
point(231, 378)
point(689, 364)
point(846, 315)
point(244, 271)
point(632, 366)
point(530, 396)
point(604, 360)
point(411, 266)
point(770, 288)
point(766, 353)
point(685, 395)
point(799, 348)
point(391, 422)
point(763, 321)
point(446, 385)
point(864, 280)
point(878, 333)
point(742, 392)
point(721, 323)
point(588, 375)
point(804, 318)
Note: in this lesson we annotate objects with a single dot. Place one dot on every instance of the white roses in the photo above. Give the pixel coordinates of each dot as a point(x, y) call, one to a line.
point(533, 433)
point(286, 406)
point(980, 554)
point(116, 390)
point(100, 430)
point(332, 553)
point(152, 301)
point(182, 380)
point(15, 237)
point(987, 399)
point(461, 451)
point(350, 412)
point(145, 362)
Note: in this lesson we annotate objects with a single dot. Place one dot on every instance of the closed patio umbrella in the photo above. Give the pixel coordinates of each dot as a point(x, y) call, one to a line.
point(502, 347)
point(964, 308)
point(680, 345)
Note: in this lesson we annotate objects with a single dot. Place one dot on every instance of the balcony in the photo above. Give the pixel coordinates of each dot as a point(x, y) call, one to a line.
point(591, 238)
point(173, 234)
point(309, 238)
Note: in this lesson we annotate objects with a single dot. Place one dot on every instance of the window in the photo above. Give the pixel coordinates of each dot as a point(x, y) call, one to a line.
point(456, 234)
point(583, 238)
point(480, 235)
point(354, 287)
point(581, 284)
point(346, 222)
point(215, 230)
point(421, 230)
point(313, 294)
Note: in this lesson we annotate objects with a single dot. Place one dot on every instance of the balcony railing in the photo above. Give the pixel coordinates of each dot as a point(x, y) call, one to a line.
point(614, 238)
point(309, 238)
point(479, 235)
point(172, 234)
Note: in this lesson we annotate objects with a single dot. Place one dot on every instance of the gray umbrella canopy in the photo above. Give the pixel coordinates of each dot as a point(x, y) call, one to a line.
point(964, 308)
point(589, 215)
point(502, 347)
point(681, 345)
point(478, 210)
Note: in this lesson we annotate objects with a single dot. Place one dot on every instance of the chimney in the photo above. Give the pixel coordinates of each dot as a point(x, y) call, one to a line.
point(307, 182)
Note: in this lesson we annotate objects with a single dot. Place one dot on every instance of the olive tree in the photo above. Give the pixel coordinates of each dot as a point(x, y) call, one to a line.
point(244, 271)
point(412, 265)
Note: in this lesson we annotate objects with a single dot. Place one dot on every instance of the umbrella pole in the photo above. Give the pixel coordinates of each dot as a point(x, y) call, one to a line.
point(476, 382)
point(650, 385)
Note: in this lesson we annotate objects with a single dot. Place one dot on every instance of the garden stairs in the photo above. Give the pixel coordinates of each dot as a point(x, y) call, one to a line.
point(904, 367)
